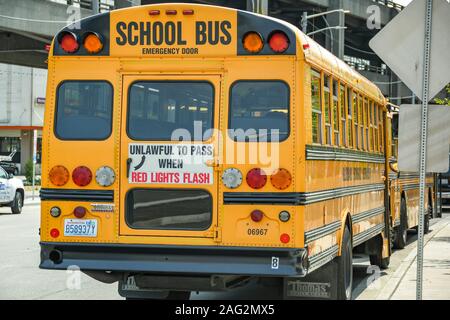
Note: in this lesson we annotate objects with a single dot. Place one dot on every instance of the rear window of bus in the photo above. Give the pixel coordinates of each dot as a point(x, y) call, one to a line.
point(170, 110)
point(84, 110)
point(259, 110)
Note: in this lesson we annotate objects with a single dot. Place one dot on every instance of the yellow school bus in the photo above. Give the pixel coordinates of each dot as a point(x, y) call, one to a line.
point(193, 148)
point(405, 194)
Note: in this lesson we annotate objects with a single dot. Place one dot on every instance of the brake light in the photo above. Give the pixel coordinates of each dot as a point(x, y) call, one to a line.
point(281, 179)
point(92, 43)
point(82, 176)
point(252, 42)
point(69, 42)
point(79, 212)
point(278, 42)
point(256, 178)
point(284, 238)
point(59, 175)
point(54, 233)
point(257, 215)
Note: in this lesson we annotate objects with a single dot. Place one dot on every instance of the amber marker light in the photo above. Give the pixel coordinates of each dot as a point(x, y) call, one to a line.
point(59, 175)
point(281, 179)
point(92, 43)
point(252, 42)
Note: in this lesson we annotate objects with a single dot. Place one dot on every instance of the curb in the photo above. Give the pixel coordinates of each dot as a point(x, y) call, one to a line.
point(394, 281)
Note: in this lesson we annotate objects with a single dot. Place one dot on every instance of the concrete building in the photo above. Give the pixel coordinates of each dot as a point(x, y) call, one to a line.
point(22, 100)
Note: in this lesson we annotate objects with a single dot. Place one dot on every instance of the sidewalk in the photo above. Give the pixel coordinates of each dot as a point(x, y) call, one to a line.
point(436, 271)
point(399, 281)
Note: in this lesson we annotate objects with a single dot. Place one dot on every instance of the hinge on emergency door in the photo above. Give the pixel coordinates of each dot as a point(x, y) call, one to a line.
point(217, 234)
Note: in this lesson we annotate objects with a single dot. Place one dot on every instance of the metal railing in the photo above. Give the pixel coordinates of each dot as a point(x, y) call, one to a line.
point(390, 4)
point(105, 5)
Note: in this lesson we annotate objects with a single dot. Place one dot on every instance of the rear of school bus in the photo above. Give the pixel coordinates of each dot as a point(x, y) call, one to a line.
point(144, 180)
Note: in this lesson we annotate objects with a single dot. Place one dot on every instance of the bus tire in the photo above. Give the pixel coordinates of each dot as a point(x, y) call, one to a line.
point(401, 231)
point(426, 223)
point(378, 260)
point(345, 268)
point(16, 207)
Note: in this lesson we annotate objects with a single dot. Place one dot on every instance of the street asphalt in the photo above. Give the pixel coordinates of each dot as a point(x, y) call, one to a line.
point(22, 279)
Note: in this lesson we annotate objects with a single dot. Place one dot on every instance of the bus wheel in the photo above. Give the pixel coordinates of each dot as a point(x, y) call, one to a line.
point(426, 222)
point(345, 268)
point(401, 231)
point(378, 260)
point(17, 204)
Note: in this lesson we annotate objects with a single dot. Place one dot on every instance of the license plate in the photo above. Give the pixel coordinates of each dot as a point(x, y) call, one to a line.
point(80, 228)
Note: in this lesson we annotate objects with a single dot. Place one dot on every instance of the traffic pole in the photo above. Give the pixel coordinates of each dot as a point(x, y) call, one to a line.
point(423, 146)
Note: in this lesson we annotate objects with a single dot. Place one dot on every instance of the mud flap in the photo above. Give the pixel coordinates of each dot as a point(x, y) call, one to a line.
point(321, 284)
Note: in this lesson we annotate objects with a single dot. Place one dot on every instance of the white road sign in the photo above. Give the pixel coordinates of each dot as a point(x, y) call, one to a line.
point(438, 138)
point(400, 44)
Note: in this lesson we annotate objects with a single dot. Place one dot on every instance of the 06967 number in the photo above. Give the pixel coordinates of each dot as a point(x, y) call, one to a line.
point(257, 232)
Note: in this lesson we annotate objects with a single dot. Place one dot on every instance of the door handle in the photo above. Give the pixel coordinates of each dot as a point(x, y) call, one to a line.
point(129, 160)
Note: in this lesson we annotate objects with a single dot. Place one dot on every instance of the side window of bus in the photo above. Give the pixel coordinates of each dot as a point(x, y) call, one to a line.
point(316, 106)
point(356, 119)
point(84, 110)
point(259, 111)
point(342, 109)
point(327, 108)
point(170, 110)
point(350, 117)
point(336, 113)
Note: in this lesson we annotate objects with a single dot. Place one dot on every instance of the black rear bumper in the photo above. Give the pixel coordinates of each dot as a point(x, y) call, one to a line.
point(185, 260)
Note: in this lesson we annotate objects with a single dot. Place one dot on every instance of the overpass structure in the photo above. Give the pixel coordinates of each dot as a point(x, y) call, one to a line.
point(27, 26)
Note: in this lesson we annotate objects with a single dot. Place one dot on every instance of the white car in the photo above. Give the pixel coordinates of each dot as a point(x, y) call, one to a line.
point(12, 192)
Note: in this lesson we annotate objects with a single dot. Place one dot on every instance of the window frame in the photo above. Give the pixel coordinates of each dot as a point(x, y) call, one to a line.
point(319, 112)
point(213, 124)
point(230, 93)
point(55, 119)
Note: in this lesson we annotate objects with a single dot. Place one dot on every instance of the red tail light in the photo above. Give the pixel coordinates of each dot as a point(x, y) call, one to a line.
point(54, 233)
point(79, 212)
point(188, 12)
point(154, 12)
point(171, 12)
point(284, 238)
point(256, 178)
point(279, 42)
point(82, 176)
point(69, 42)
point(257, 215)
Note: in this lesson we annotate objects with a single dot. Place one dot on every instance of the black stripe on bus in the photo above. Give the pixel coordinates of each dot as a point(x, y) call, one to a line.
point(298, 198)
point(321, 232)
point(322, 258)
point(328, 153)
point(367, 234)
point(367, 215)
point(76, 195)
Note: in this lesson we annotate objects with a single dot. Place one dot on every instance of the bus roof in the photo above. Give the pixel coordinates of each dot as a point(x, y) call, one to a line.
point(193, 30)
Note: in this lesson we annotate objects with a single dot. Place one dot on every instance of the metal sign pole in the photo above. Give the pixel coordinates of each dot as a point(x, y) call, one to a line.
point(423, 145)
